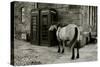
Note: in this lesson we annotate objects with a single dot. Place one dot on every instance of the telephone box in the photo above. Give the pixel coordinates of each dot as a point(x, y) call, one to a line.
point(47, 18)
point(41, 20)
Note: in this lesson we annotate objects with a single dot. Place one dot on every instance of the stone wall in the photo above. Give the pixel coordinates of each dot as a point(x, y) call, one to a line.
point(67, 14)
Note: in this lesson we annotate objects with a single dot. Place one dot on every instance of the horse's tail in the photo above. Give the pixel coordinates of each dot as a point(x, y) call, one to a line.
point(73, 41)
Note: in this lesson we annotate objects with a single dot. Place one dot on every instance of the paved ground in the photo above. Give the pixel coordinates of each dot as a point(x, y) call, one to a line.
point(27, 54)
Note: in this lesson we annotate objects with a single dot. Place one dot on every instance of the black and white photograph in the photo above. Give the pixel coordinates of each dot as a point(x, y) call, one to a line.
point(51, 33)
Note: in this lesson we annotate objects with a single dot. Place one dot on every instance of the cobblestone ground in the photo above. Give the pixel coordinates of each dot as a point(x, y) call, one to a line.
point(28, 54)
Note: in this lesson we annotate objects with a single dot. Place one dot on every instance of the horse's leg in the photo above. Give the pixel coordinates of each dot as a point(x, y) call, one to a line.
point(65, 43)
point(77, 50)
point(59, 46)
point(63, 46)
point(77, 53)
point(73, 54)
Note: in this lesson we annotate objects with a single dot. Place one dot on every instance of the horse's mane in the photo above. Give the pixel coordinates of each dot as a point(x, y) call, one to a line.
point(61, 25)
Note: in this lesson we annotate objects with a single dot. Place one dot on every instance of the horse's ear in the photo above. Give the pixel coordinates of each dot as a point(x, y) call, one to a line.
point(55, 26)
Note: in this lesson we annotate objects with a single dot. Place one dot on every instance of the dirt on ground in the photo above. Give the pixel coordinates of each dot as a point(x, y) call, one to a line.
point(30, 54)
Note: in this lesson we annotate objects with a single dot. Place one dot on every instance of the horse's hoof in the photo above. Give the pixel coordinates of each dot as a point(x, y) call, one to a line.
point(62, 52)
point(77, 57)
point(72, 58)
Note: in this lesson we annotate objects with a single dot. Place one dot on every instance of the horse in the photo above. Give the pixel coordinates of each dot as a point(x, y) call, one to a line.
point(69, 33)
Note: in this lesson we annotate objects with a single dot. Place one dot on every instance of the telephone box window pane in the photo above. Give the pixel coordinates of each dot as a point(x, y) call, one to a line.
point(45, 19)
point(34, 23)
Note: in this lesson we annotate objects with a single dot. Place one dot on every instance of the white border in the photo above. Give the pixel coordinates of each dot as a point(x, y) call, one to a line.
point(5, 31)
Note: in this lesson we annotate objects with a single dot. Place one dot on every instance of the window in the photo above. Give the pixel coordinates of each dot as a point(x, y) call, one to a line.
point(22, 14)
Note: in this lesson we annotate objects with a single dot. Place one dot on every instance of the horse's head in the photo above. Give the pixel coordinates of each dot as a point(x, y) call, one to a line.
point(53, 27)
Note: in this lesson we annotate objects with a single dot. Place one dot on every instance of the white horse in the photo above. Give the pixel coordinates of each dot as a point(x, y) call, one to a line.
point(69, 33)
